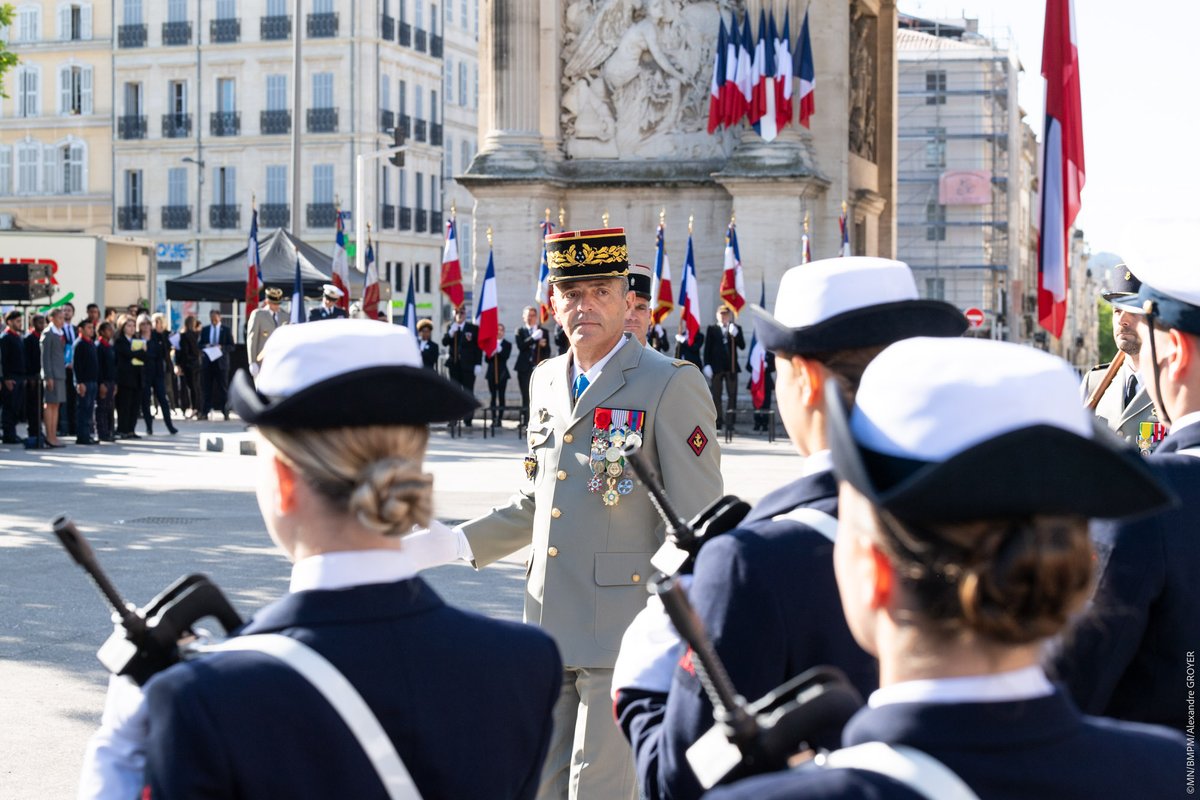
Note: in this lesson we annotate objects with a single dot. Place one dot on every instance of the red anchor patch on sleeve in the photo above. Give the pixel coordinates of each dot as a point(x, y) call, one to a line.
point(697, 441)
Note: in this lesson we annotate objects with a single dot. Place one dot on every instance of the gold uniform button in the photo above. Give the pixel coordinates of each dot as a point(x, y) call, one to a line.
point(552, 551)
point(636, 578)
point(554, 512)
point(562, 474)
point(568, 438)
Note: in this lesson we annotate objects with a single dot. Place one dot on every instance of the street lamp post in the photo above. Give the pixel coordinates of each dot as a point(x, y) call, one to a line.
point(199, 162)
point(360, 243)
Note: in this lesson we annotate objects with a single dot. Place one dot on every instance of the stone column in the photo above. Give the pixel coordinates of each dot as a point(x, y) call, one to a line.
point(510, 73)
point(889, 82)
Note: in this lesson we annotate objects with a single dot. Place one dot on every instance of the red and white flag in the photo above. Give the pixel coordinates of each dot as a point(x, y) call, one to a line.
point(542, 293)
point(451, 283)
point(805, 73)
point(341, 266)
point(783, 70)
point(487, 317)
point(733, 104)
point(716, 101)
point(370, 301)
point(758, 360)
point(745, 70)
point(733, 287)
point(1062, 161)
point(689, 295)
point(661, 295)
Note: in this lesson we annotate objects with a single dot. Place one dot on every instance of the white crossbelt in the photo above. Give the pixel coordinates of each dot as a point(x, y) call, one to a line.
point(342, 695)
point(917, 770)
point(819, 521)
point(1194, 452)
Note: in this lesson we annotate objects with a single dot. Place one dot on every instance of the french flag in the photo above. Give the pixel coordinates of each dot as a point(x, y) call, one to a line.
point(487, 313)
point(370, 301)
point(410, 305)
point(661, 295)
point(341, 267)
point(758, 360)
point(806, 74)
point(689, 295)
point(745, 71)
point(716, 111)
point(733, 290)
point(451, 283)
point(1062, 176)
point(732, 102)
point(844, 224)
point(542, 293)
point(297, 314)
point(253, 265)
point(783, 71)
point(767, 125)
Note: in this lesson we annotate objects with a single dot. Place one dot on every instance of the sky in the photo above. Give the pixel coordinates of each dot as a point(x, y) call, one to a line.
point(1139, 113)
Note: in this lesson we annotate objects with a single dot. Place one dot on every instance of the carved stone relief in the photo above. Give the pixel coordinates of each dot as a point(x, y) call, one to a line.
point(635, 78)
point(863, 83)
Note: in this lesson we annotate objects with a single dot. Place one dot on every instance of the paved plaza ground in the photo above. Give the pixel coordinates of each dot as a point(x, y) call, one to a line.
point(159, 508)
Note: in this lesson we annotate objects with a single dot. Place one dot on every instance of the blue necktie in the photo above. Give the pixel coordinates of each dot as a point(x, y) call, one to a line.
point(581, 383)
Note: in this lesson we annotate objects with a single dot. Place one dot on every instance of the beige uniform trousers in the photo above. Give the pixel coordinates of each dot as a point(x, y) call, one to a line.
point(601, 769)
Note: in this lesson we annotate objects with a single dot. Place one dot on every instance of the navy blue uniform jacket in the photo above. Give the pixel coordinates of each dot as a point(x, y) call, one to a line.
point(1040, 748)
point(1128, 655)
point(465, 700)
point(12, 356)
point(767, 596)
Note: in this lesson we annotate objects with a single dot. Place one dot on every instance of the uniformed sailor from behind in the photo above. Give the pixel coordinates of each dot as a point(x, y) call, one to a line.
point(462, 703)
point(765, 591)
point(1137, 643)
point(262, 323)
point(966, 471)
point(329, 308)
point(1125, 405)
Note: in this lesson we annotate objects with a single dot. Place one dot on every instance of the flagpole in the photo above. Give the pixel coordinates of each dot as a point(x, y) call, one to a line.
point(297, 96)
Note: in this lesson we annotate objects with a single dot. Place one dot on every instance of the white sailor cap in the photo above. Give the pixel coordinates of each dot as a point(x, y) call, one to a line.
point(952, 430)
point(332, 292)
point(847, 303)
point(1170, 290)
point(364, 373)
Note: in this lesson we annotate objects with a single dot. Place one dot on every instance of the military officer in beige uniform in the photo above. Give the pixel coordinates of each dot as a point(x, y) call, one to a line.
point(592, 527)
point(1125, 405)
point(260, 326)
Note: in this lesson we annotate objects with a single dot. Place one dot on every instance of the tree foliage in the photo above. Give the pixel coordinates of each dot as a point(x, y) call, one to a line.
point(8, 59)
point(1104, 331)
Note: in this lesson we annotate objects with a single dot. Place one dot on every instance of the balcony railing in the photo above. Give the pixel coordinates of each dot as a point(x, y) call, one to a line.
point(322, 120)
point(225, 30)
point(275, 28)
point(419, 130)
point(131, 218)
point(176, 126)
point(323, 26)
point(387, 120)
point(387, 28)
point(275, 121)
point(225, 123)
point(435, 45)
point(405, 125)
point(176, 218)
point(405, 219)
point(435, 222)
point(422, 220)
point(177, 33)
point(322, 215)
point(435, 134)
point(131, 35)
point(131, 127)
point(404, 34)
point(387, 216)
point(419, 40)
point(274, 215)
point(224, 217)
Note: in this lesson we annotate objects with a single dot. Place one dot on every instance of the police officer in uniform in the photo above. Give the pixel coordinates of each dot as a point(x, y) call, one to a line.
point(1136, 646)
point(329, 309)
point(765, 591)
point(955, 561)
point(1125, 405)
point(339, 498)
point(262, 323)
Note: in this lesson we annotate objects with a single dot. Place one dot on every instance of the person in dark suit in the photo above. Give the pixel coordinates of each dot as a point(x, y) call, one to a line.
point(692, 351)
point(780, 556)
point(215, 372)
point(656, 337)
point(87, 383)
point(561, 340)
point(66, 420)
point(1129, 654)
point(955, 572)
point(533, 347)
point(187, 362)
point(13, 373)
point(329, 308)
point(157, 363)
point(221, 725)
point(428, 347)
point(463, 356)
point(497, 374)
point(721, 367)
point(106, 390)
point(33, 386)
point(129, 378)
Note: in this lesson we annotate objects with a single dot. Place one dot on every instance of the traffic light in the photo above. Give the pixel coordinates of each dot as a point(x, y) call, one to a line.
point(397, 158)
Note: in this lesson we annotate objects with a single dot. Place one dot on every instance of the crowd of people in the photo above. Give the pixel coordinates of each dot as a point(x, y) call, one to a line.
point(93, 378)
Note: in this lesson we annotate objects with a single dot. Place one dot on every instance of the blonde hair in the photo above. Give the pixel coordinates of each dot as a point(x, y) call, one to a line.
point(373, 472)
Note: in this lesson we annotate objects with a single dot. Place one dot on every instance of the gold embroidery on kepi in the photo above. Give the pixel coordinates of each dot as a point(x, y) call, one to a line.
point(576, 255)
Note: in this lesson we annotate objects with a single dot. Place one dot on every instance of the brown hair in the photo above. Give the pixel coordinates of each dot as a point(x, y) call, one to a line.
point(845, 366)
point(1013, 581)
point(373, 472)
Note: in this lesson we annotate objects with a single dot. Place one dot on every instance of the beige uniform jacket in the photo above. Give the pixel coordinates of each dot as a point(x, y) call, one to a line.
point(590, 562)
point(1122, 419)
point(258, 329)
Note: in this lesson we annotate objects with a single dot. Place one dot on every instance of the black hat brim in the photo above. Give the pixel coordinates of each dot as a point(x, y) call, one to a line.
point(869, 326)
point(1038, 470)
point(384, 395)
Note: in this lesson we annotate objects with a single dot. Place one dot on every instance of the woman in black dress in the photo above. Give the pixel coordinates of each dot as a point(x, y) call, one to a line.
point(129, 378)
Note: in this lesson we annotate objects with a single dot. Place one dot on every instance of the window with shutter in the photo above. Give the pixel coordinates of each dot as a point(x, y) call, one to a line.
point(64, 90)
point(322, 184)
point(64, 21)
point(50, 170)
point(73, 155)
point(177, 187)
point(277, 184)
point(385, 92)
point(28, 102)
point(5, 171)
point(86, 105)
point(29, 156)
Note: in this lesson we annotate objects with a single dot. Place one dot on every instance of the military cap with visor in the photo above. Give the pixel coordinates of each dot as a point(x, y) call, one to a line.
point(583, 255)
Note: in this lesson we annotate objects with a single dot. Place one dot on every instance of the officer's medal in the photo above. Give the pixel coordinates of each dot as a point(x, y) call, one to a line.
point(612, 430)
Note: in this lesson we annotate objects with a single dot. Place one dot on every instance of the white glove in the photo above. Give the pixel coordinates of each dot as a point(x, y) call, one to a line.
point(658, 329)
point(537, 335)
point(681, 337)
point(436, 545)
point(708, 373)
point(454, 328)
point(733, 329)
point(650, 649)
point(115, 759)
point(478, 370)
point(254, 368)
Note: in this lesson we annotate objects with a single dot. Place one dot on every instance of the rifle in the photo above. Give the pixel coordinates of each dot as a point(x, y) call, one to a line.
point(146, 640)
point(747, 738)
